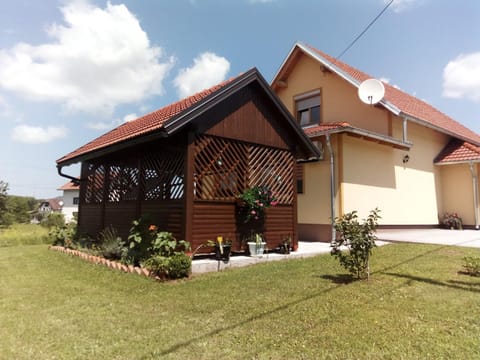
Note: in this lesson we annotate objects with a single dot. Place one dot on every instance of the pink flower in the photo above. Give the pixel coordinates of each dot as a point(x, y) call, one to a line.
point(274, 203)
point(253, 212)
point(261, 204)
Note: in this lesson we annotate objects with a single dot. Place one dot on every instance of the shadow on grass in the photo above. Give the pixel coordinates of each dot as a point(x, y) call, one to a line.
point(450, 284)
point(339, 278)
point(219, 330)
point(419, 256)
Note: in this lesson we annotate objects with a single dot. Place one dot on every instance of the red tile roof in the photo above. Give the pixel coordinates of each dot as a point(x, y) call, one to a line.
point(458, 151)
point(324, 128)
point(69, 186)
point(144, 124)
point(406, 103)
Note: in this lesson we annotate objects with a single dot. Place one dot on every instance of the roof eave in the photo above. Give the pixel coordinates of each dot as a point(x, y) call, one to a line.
point(382, 139)
point(388, 105)
point(458, 162)
point(437, 128)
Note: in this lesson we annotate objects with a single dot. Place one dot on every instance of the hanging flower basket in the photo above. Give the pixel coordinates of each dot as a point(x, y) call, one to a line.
point(253, 202)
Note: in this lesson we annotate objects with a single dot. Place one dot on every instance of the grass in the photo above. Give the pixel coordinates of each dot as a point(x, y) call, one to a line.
point(23, 234)
point(416, 306)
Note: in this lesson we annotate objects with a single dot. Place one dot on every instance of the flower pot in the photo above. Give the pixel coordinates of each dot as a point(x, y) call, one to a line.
point(256, 249)
point(224, 253)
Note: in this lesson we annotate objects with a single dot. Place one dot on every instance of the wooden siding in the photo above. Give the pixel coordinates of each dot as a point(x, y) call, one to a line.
point(247, 117)
point(212, 219)
point(167, 215)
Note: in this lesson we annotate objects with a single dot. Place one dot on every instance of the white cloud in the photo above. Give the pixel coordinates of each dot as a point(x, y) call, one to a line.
point(37, 135)
point(207, 70)
point(387, 81)
point(461, 77)
point(399, 6)
point(130, 117)
point(102, 125)
point(97, 59)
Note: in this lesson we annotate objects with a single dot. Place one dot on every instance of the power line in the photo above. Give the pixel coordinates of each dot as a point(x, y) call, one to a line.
point(365, 30)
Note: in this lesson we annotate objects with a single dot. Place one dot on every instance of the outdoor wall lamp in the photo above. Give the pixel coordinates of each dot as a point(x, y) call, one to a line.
point(406, 158)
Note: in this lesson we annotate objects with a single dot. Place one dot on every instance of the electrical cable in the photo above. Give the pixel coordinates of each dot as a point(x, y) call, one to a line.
point(365, 30)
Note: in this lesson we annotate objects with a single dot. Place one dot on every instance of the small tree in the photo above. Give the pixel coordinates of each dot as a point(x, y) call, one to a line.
point(5, 220)
point(357, 241)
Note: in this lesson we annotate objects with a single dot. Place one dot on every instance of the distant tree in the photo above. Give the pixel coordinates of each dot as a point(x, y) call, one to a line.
point(53, 219)
point(4, 218)
point(20, 208)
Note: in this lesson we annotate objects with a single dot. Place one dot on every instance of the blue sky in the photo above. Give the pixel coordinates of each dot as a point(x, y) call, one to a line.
point(72, 70)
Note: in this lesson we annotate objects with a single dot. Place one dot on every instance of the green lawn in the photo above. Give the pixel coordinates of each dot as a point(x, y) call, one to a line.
point(23, 234)
point(416, 306)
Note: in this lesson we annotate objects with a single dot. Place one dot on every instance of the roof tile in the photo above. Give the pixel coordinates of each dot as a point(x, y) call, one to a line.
point(408, 104)
point(458, 151)
point(144, 124)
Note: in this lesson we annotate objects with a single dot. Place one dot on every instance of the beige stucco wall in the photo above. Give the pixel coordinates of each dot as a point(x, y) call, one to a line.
point(340, 101)
point(368, 174)
point(375, 176)
point(457, 191)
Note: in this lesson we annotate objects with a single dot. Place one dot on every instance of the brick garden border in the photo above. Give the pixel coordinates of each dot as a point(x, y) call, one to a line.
point(98, 260)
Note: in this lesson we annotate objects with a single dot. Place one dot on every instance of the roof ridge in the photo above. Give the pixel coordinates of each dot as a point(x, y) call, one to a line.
point(409, 104)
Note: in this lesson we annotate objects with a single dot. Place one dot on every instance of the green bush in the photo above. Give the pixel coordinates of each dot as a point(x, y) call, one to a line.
point(177, 266)
point(358, 239)
point(111, 244)
point(472, 265)
point(139, 241)
point(53, 219)
point(63, 235)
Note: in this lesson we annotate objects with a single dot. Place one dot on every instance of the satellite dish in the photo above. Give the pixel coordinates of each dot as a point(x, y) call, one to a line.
point(371, 91)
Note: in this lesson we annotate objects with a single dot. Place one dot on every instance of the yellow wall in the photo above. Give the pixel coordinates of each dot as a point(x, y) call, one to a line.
point(368, 174)
point(457, 190)
point(340, 101)
point(375, 176)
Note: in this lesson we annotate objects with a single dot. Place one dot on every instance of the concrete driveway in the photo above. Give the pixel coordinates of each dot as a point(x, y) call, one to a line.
point(468, 238)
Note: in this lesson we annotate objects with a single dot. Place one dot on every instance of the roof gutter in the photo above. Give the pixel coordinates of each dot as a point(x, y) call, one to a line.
point(73, 179)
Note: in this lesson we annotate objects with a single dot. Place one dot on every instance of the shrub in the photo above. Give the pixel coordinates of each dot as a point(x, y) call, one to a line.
point(63, 235)
point(359, 240)
point(165, 244)
point(177, 266)
point(139, 241)
point(472, 265)
point(111, 244)
point(53, 219)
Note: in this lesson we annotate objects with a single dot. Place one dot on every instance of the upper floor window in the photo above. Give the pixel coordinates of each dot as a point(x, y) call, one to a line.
point(76, 200)
point(308, 108)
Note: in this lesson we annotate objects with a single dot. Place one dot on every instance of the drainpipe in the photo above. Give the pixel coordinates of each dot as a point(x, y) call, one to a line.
point(475, 194)
point(332, 186)
point(404, 129)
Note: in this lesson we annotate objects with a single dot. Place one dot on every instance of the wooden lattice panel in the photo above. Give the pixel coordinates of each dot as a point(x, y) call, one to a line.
point(95, 175)
point(163, 176)
point(123, 182)
point(219, 169)
point(273, 168)
point(225, 168)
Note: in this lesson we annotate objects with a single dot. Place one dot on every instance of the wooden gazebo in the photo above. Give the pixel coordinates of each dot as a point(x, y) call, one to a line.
point(186, 163)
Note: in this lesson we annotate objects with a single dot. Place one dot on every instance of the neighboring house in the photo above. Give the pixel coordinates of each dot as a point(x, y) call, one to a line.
point(71, 199)
point(46, 207)
point(186, 163)
point(402, 155)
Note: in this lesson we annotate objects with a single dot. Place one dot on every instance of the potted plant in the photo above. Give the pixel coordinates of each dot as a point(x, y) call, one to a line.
point(286, 245)
point(253, 202)
point(452, 221)
point(257, 247)
point(223, 248)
